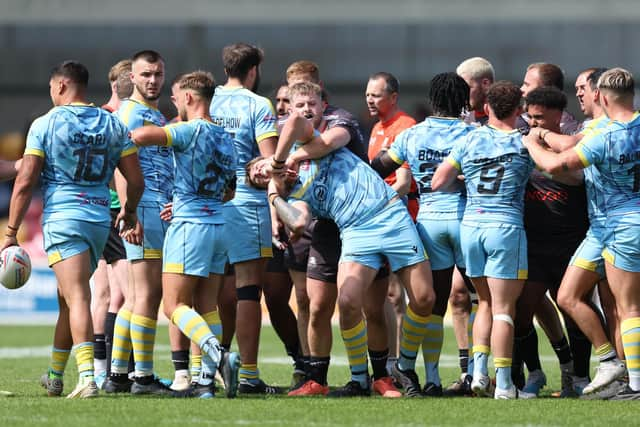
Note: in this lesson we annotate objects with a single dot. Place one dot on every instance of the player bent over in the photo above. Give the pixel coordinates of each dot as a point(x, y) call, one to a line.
point(75, 148)
point(341, 187)
point(194, 252)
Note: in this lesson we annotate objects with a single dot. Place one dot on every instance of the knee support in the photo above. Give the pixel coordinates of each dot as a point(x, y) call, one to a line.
point(249, 293)
point(504, 318)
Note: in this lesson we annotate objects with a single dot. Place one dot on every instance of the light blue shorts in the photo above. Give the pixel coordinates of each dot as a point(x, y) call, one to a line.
point(194, 249)
point(154, 230)
point(588, 256)
point(247, 231)
point(66, 238)
point(622, 242)
point(389, 235)
point(498, 251)
point(441, 238)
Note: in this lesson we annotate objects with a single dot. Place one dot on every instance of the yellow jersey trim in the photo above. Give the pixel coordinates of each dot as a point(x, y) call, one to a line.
point(152, 254)
point(173, 267)
point(394, 157)
point(129, 151)
point(298, 194)
point(453, 162)
point(266, 135)
point(34, 152)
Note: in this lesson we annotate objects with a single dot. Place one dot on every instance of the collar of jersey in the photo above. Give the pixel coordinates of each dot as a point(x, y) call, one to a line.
point(143, 103)
point(502, 130)
point(81, 104)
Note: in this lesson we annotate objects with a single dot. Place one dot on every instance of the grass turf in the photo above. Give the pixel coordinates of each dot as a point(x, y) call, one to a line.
point(20, 370)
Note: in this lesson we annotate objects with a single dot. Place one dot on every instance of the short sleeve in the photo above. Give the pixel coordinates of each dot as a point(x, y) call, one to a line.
point(36, 137)
point(398, 149)
point(265, 120)
point(177, 135)
point(591, 148)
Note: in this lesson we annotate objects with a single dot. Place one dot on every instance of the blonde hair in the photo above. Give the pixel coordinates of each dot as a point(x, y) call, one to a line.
point(476, 68)
point(304, 67)
point(305, 88)
point(121, 74)
point(618, 81)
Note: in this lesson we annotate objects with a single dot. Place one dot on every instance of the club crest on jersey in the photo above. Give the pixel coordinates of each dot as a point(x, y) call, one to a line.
point(320, 192)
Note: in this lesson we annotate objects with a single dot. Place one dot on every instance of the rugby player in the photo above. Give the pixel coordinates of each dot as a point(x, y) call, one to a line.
point(424, 147)
point(75, 148)
point(495, 166)
point(135, 326)
point(613, 151)
point(194, 250)
point(341, 187)
point(251, 120)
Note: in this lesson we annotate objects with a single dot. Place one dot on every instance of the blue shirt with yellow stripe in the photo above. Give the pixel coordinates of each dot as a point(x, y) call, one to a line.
point(156, 162)
point(496, 167)
point(615, 153)
point(341, 187)
point(205, 160)
point(81, 146)
point(250, 119)
point(424, 146)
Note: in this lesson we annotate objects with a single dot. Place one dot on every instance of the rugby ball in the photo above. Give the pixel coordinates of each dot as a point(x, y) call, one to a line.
point(15, 267)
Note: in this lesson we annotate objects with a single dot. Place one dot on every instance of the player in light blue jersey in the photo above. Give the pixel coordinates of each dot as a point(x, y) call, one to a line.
point(495, 166)
point(424, 146)
point(251, 120)
point(135, 325)
point(194, 251)
point(614, 151)
point(374, 225)
point(74, 149)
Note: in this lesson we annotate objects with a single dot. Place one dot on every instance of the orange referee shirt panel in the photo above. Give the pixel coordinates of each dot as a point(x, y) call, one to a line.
point(382, 136)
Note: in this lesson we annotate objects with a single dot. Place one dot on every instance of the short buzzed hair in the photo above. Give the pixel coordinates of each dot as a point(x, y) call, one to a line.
point(476, 68)
point(72, 70)
point(151, 56)
point(550, 74)
point(504, 98)
point(547, 96)
point(618, 81)
point(120, 73)
point(391, 83)
point(305, 88)
point(201, 82)
point(304, 67)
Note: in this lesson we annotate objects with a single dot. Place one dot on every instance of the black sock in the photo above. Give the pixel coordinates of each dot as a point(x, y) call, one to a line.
point(306, 360)
point(119, 378)
point(529, 350)
point(180, 360)
point(318, 369)
point(581, 351)
point(225, 347)
point(132, 363)
point(463, 359)
point(563, 351)
point(109, 324)
point(99, 347)
point(145, 380)
point(517, 370)
point(379, 363)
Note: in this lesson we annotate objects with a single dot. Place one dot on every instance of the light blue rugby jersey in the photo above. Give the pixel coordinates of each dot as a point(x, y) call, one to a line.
point(424, 146)
point(205, 161)
point(341, 187)
point(81, 145)
point(496, 167)
point(592, 179)
point(156, 162)
point(615, 152)
point(250, 119)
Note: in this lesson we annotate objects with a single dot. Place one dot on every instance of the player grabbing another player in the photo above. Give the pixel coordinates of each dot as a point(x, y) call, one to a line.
point(495, 166)
point(194, 249)
point(75, 148)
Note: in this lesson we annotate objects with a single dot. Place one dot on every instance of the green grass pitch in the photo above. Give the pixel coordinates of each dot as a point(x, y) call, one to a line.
point(23, 359)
